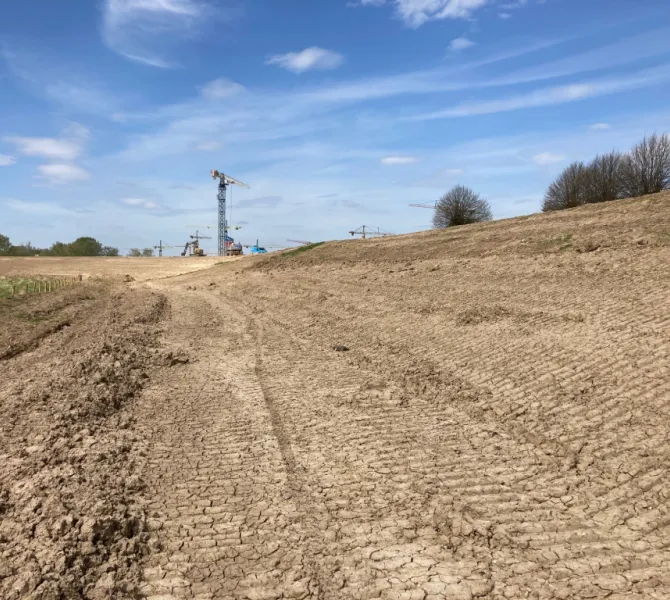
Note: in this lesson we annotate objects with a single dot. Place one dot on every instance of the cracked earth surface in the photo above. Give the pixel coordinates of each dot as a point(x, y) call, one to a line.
point(497, 429)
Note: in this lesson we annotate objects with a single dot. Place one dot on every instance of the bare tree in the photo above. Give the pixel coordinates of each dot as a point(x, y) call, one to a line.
point(646, 169)
point(604, 178)
point(461, 206)
point(569, 189)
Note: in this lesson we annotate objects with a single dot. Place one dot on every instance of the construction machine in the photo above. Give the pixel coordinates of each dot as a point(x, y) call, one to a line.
point(232, 248)
point(258, 249)
point(193, 247)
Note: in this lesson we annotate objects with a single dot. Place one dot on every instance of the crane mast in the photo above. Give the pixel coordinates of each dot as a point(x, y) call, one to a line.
point(223, 223)
point(224, 182)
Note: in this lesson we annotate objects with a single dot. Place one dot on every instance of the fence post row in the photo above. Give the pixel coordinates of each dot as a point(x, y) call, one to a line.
point(40, 287)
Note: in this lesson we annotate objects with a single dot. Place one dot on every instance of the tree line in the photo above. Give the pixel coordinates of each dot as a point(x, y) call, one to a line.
point(83, 246)
point(137, 252)
point(613, 176)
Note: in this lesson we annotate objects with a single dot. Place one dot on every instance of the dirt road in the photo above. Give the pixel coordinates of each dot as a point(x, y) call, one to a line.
point(497, 428)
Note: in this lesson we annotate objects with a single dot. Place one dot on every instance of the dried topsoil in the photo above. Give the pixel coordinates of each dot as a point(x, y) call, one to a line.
point(70, 454)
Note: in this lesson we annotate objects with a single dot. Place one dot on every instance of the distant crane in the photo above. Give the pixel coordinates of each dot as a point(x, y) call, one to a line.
point(193, 247)
point(224, 182)
point(214, 226)
point(301, 242)
point(365, 231)
point(231, 247)
point(160, 247)
point(431, 206)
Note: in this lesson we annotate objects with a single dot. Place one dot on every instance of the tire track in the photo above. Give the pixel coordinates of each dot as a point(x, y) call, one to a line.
point(220, 501)
point(573, 524)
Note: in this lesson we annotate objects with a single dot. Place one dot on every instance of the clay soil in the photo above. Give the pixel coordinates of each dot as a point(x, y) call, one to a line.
point(138, 268)
point(482, 412)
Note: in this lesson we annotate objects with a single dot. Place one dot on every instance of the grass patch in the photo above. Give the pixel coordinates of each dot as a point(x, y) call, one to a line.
point(23, 285)
point(302, 249)
point(560, 242)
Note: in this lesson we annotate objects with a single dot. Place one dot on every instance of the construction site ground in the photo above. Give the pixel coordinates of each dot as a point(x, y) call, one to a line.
point(140, 268)
point(482, 412)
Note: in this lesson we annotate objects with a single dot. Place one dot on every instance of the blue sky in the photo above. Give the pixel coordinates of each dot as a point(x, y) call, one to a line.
point(337, 113)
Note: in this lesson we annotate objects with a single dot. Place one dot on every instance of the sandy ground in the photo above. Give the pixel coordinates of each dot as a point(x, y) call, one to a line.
point(140, 269)
point(475, 413)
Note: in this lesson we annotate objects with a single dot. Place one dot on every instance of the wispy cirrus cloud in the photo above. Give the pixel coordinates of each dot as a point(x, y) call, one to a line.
point(221, 88)
point(548, 158)
point(140, 30)
point(208, 146)
point(399, 160)
point(600, 127)
point(6, 160)
point(38, 208)
point(551, 96)
point(313, 58)
point(62, 83)
point(141, 203)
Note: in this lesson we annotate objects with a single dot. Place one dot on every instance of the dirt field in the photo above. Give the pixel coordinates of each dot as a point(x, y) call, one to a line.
point(140, 269)
point(475, 413)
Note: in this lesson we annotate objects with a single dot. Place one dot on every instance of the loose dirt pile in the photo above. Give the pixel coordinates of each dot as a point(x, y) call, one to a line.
point(71, 458)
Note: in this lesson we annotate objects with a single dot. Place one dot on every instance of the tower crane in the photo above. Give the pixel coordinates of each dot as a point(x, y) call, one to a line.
point(301, 242)
point(160, 247)
point(365, 231)
point(224, 182)
point(432, 206)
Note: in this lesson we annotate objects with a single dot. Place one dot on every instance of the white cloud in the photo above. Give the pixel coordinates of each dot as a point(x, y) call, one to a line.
point(141, 203)
point(6, 160)
point(310, 58)
point(514, 5)
point(208, 146)
point(220, 88)
point(135, 28)
point(548, 158)
point(461, 43)
point(417, 12)
point(399, 160)
point(600, 127)
point(45, 147)
point(60, 173)
point(67, 147)
point(551, 96)
point(38, 208)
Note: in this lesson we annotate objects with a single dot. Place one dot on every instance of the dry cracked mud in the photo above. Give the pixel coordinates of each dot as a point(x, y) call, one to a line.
point(498, 428)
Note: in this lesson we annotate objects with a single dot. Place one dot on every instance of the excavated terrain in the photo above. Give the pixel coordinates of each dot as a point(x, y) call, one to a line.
point(481, 412)
point(71, 453)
